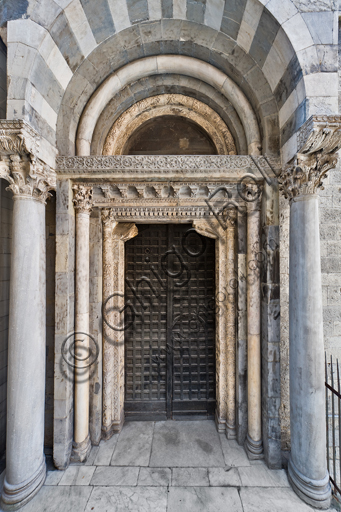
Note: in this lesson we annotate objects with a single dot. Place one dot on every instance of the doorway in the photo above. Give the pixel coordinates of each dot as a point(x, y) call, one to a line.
point(170, 324)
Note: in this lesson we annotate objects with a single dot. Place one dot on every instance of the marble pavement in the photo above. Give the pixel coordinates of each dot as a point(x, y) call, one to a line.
point(167, 466)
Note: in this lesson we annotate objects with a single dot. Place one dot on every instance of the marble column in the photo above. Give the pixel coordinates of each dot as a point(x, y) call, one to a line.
point(307, 468)
point(114, 237)
point(83, 205)
point(230, 235)
point(253, 443)
point(108, 223)
point(29, 181)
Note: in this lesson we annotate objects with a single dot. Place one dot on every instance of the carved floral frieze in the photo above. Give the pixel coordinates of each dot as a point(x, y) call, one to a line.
point(226, 166)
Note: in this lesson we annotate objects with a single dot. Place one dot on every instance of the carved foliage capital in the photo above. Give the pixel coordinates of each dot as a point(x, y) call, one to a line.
point(82, 198)
point(306, 175)
point(27, 177)
point(318, 140)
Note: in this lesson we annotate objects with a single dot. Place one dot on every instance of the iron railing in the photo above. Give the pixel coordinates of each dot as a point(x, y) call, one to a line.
point(333, 423)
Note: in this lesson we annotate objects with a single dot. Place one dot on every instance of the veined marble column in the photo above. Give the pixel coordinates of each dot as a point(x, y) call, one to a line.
point(299, 182)
point(114, 237)
point(253, 444)
point(83, 205)
point(109, 223)
point(231, 324)
point(29, 181)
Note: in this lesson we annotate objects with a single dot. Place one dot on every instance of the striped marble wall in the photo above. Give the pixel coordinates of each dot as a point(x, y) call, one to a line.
point(280, 49)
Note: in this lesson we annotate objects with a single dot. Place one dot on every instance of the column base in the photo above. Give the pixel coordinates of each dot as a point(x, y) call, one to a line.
point(230, 432)
point(220, 424)
point(316, 493)
point(80, 451)
point(254, 449)
point(14, 497)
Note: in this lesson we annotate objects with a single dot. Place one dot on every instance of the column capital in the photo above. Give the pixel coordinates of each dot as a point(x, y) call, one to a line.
point(108, 218)
point(318, 141)
point(27, 174)
point(82, 198)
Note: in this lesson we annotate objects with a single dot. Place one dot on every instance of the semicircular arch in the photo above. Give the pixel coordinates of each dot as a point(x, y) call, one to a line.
point(169, 105)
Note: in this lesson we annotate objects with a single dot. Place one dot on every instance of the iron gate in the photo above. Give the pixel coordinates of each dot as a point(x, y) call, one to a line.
point(170, 320)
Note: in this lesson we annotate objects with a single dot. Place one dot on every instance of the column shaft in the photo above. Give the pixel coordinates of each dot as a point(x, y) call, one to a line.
point(307, 466)
point(254, 445)
point(108, 333)
point(82, 444)
point(25, 460)
point(231, 326)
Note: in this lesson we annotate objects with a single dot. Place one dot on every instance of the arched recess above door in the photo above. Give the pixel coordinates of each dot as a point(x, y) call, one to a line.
point(169, 105)
point(161, 64)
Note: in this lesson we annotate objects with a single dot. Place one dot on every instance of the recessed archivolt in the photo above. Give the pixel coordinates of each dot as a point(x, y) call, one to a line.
point(162, 64)
point(169, 105)
point(168, 84)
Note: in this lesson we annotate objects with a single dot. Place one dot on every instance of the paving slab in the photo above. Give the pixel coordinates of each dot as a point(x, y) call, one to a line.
point(224, 477)
point(135, 499)
point(92, 456)
point(105, 451)
point(155, 477)
point(186, 444)
point(77, 475)
point(134, 444)
point(261, 476)
point(190, 477)
point(203, 499)
point(59, 499)
point(272, 500)
point(110, 475)
point(234, 454)
point(53, 477)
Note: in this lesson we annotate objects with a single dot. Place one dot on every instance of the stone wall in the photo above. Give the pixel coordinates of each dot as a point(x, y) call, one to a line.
point(6, 207)
point(271, 48)
point(3, 80)
point(330, 234)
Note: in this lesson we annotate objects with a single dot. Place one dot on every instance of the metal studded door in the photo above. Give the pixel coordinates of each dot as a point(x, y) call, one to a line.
point(170, 323)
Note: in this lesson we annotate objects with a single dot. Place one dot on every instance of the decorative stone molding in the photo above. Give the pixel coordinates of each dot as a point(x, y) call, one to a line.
point(114, 236)
point(27, 175)
point(170, 105)
point(161, 192)
point(82, 199)
point(318, 140)
point(227, 167)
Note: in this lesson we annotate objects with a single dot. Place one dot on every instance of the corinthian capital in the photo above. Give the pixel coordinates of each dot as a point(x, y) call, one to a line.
point(318, 141)
point(82, 198)
point(28, 176)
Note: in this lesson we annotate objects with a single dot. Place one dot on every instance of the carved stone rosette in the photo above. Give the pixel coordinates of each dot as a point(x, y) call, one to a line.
point(28, 176)
point(318, 141)
point(82, 198)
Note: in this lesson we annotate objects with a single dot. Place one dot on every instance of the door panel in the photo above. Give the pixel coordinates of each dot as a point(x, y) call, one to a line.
point(170, 345)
